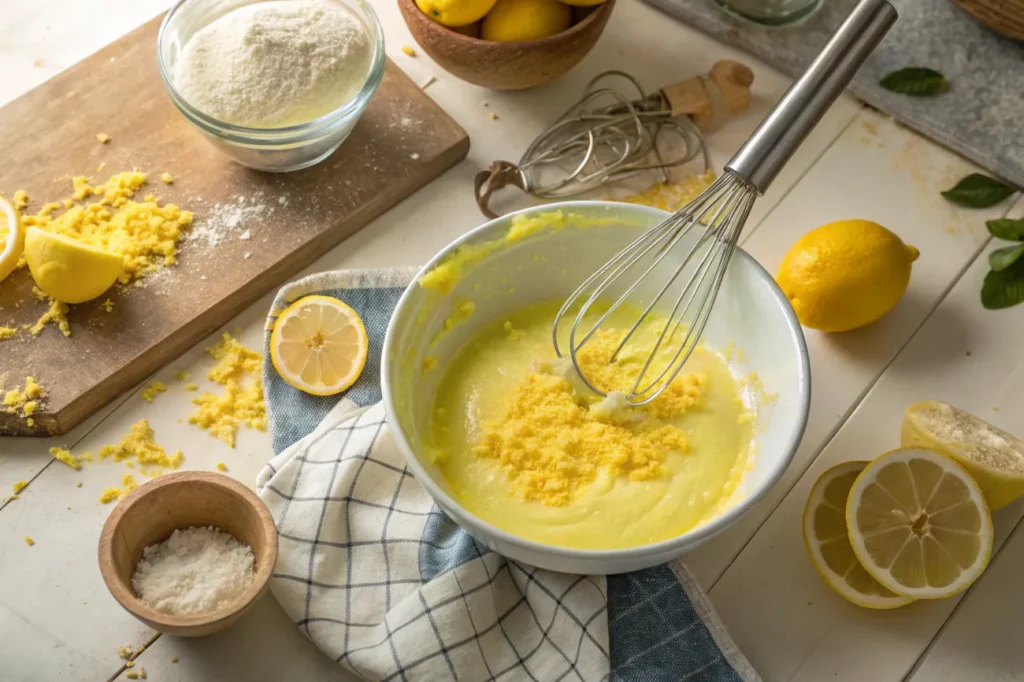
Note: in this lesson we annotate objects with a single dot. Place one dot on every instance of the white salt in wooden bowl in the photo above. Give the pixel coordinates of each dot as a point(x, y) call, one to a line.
point(175, 502)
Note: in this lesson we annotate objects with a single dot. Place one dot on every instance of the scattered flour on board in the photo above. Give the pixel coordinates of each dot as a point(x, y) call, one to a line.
point(196, 570)
point(228, 219)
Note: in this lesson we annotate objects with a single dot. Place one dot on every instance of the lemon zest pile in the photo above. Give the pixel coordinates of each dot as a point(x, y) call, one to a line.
point(26, 400)
point(551, 445)
point(238, 370)
point(144, 233)
point(7, 333)
point(152, 390)
point(19, 486)
point(672, 196)
point(57, 313)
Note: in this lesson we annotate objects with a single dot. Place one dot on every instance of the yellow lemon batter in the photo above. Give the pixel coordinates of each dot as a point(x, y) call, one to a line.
point(526, 446)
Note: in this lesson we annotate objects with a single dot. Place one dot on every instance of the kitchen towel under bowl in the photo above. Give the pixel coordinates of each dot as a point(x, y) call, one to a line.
point(390, 588)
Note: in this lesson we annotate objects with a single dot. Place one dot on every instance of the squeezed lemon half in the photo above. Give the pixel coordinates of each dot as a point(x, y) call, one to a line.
point(319, 345)
point(68, 270)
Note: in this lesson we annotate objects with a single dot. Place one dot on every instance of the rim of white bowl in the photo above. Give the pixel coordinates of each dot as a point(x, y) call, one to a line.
point(695, 535)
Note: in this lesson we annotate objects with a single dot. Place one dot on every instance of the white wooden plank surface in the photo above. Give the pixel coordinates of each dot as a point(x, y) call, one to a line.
point(822, 636)
point(862, 175)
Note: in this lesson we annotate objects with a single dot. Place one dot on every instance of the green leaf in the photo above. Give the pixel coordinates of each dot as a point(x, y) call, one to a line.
point(1007, 228)
point(978, 191)
point(916, 81)
point(1000, 259)
point(1003, 288)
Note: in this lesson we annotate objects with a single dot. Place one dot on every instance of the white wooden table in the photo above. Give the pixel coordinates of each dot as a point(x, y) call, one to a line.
point(57, 620)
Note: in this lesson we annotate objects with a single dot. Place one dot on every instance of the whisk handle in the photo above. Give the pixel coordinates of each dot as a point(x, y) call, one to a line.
point(761, 158)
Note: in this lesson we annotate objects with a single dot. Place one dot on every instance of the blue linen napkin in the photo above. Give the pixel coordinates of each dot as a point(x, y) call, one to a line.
point(383, 582)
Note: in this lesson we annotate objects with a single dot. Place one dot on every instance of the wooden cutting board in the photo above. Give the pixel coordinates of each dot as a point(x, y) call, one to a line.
point(252, 230)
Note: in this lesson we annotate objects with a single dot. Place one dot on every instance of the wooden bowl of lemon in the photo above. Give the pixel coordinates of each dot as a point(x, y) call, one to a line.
point(506, 44)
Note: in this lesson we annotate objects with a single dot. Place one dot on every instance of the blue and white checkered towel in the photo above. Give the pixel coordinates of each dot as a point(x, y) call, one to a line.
point(384, 583)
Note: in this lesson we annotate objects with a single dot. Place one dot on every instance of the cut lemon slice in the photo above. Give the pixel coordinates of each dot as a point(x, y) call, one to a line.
point(12, 238)
point(993, 457)
point(319, 345)
point(829, 544)
point(919, 524)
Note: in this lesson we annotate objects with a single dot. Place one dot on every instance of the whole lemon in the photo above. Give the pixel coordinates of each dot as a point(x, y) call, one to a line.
point(845, 274)
point(455, 12)
point(516, 20)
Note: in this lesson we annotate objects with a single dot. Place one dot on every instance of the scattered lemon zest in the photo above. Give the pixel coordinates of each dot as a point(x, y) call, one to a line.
point(671, 196)
point(152, 390)
point(26, 400)
point(29, 541)
point(19, 486)
point(78, 485)
point(221, 466)
point(57, 313)
point(181, 375)
point(64, 455)
point(191, 387)
point(408, 50)
point(107, 305)
point(166, 178)
point(8, 333)
point(103, 138)
point(20, 199)
point(238, 370)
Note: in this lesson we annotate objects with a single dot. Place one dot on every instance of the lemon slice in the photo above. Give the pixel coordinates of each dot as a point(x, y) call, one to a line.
point(993, 457)
point(828, 542)
point(67, 270)
point(319, 345)
point(12, 238)
point(919, 524)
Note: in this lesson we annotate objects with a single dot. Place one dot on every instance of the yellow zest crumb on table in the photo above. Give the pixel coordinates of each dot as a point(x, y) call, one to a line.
point(181, 375)
point(408, 50)
point(130, 664)
point(136, 675)
point(144, 233)
point(7, 333)
point(78, 485)
point(20, 199)
point(191, 387)
point(109, 495)
point(221, 466)
point(494, 116)
point(99, 168)
point(152, 390)
point(124, 652)
point(174, 659)
point(485, 103)
point(57, 313)
point(29, 541)
point(19, 486)
point(26, 400)
point(103, 138)
point(166, 178)
point(238, 370)
point(138, 445)
point(64, 455)
point(107, 305)
point(30, 421)
point(674, 195)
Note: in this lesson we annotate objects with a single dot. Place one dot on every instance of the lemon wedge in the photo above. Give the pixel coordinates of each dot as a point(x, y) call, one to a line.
point(12, 238)
point(319, 345)
point(993, 457)
point(919, 524)
point(828, 542)
point(67, 270)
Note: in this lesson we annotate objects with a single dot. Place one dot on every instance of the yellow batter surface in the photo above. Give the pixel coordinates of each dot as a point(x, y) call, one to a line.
point(527, 447)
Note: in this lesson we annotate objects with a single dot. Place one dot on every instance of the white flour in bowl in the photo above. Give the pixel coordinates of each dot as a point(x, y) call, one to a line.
point(196, 570)
point(275, 64)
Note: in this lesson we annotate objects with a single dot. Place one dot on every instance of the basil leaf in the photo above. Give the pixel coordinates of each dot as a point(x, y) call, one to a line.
point(1007, 228)
point(978, 191)
point(916, 81)
point(1003, 288)
point(1000, 259)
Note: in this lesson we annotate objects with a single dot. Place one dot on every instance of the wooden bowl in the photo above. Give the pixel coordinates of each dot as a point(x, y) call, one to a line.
point(1005, 17)
point(506, 66)
point(178, 501)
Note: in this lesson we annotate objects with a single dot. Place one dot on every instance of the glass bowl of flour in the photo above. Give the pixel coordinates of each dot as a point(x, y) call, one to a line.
point(277, 85)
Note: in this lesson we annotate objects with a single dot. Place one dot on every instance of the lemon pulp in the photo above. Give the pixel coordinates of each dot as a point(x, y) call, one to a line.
point(615, 506)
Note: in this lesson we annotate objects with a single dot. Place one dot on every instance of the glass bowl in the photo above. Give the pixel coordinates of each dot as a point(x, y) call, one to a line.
point(269, 149)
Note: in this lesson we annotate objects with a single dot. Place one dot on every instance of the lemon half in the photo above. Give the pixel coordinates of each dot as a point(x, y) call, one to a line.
point(828, 542)
point(67, 270)
point(12, 238)
point(993, 457)
point(319, 345)
point(919, 524)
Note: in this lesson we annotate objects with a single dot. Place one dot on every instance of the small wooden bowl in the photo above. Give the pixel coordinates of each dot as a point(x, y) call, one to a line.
point(178, 501)
point(506, 66)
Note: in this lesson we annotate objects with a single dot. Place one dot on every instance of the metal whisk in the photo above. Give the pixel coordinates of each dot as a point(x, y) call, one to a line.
point(699, 239)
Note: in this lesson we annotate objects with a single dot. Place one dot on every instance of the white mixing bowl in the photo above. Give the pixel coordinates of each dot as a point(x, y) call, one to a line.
point(751, 312)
